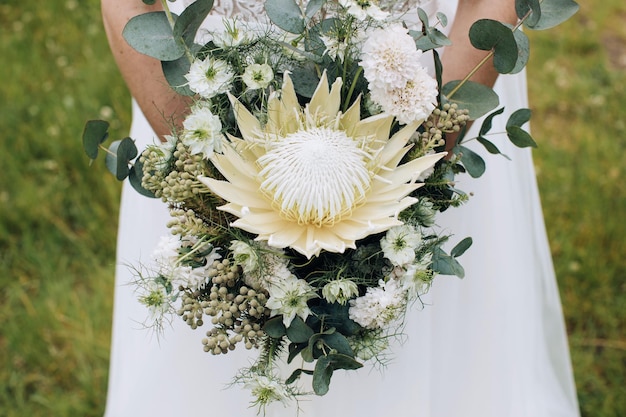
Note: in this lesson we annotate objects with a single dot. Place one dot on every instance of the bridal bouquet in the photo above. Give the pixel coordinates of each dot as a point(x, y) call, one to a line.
point(305, 181)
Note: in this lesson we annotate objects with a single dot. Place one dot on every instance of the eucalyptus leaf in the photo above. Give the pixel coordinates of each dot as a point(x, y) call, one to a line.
point(487, 35)
point(191, 19)
point(151, 34)
point(294, 376)
point(473, 163)
point(522, 7)
point(554, 12)
point(340, 361)
point(438, 38)
point(305, 81)
point(442, 18)
point(111, 157)
point(523, 51)
point(175, 72)
point(295, 349)
point(445, 264)
point(477, 98)
point(298, 331)
point(490, 147)
point(519, 118)
point(485, 127)
point(275, 328)
point(322, 375)
point(338, 342)
point(149, 1)
point(423, 16)
point(135, 174)
point(126, 152)
point(461, 247)
point(285, 14)
point(312, 7)
point(94, 133)
point(520, 137)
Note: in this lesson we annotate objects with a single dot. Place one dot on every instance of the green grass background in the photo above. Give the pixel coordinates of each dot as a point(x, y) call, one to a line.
point(58, 216)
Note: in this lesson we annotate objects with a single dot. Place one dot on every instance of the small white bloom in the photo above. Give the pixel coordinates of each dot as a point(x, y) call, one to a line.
point(340, 291)
point(400, 243)
point(232, 35)
point(289, 297)
point(209, 77)
point(380, 307)
point(418, 277)
point(369, 344)
point(266, 389)
point(390, 58)
point(202, 132)
point(362, 9)
point(245, 256)
point(257, 76)
point(155, 297)
point(164, 150)
point(335, 48)
point(167, 251)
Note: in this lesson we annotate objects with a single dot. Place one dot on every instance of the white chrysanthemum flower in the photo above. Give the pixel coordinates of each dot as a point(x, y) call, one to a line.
point(380, 307)
point(340, 291)
point(289, 297)
point(257, 76)
point(415, 101)
point(154, 296)
point(390, 58)
point(209, 77)
point(400, 243)
point(315, 179)
point(202, 132)
point(417, 278)
point(362, 9)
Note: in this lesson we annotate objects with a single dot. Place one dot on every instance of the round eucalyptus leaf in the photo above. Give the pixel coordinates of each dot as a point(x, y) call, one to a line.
point(312, 7)
point(126, 151)
point(519, 118)
point(285, 14)
point(554, 12)
point(151, 34)
point(322, 375)
point(477, 98)
point(520, 137)
point(522, 7)
point(298, 331)
point(175, 72)
point(275, 328)
point(487, 35)
point(523, 51)
point(94, 133)
point(473, 163)
point(191, 19)
point(135, 174)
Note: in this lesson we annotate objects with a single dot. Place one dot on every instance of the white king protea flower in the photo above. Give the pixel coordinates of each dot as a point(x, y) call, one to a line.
point(314, 178)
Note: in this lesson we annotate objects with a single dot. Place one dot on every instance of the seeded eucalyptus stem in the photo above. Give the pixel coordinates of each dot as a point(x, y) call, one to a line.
point(486, 58)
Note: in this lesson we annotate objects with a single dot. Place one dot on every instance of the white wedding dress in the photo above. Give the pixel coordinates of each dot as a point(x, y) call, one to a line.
point(490, 345)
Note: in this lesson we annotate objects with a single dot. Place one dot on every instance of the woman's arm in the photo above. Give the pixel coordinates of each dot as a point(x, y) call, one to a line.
point(160, 104)
point(461, 57)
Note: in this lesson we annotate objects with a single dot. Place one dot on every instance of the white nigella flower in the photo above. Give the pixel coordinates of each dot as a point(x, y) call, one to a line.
point(340, 291)
point(266, 389)
point(289, 297)
point(165, 150)
point(413, 102)
point(315, 178)
point(362, 9)
point(418, 277)
point(245, 256)
point(335, 48)
point(257, 76)
point(390, 58)
point(202, 131)
point(155, 297)
point(380, 307)
point(209, 77)
point(400, 243)
point(369, 344)
point(232, 35)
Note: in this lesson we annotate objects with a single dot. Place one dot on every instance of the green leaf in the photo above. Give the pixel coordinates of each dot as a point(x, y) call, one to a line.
point(149, 1)
point(151, 34)
point(298, 331)
point(285, 14)
point(523, 51)
point(338, 342)
point(125, 151)
point(175, 72)
point(553, 13)
point(442, 18)
point(191, 18)
point(487, 35)
point(477, 98)
point(490, 147)
point(135, 174)
point(524, 6)
point(520, 137)
point(295, 349)
point(339, 361)
point(294, 376)
point(461, 247)
point(305, 80)
point(94, 133)
point(322, 375)
point(275, 328)
point(487, 123)
point(473, 163)
point(445, 264)
point(519, 118)
point(312, 7)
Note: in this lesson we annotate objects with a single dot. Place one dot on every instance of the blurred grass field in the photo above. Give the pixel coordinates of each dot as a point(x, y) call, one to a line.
point(58, 216)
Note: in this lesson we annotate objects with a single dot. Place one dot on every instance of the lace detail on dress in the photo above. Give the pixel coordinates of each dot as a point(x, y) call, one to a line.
point(254, 10)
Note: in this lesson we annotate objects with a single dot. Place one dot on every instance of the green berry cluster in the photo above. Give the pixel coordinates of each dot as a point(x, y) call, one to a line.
point(448, 119)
